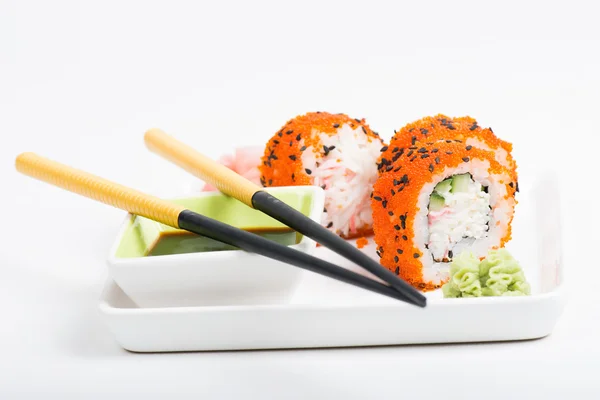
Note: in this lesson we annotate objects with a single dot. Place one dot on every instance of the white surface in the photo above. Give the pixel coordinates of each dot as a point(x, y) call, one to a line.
point(81, 82)
point(322, 313)
point(223, 277)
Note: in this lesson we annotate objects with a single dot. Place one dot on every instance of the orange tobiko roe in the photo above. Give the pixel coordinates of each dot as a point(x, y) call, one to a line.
point(281, 164)
point(441, 127)
point(362, 242)
point(403, 173)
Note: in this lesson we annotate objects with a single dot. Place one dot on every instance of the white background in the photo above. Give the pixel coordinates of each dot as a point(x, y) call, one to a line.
point(81, 81)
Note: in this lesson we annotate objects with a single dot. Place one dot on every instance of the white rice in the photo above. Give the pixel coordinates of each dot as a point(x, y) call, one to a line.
point(464, 215)
point(349, 181)
point(501, 212)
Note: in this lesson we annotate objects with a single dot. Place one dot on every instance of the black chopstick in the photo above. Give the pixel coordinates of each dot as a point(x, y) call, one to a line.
point(233, 184)
point(199, 224)
point(177, 216)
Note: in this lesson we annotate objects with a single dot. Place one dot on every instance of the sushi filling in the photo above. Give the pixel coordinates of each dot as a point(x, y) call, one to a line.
point(345, 165)
point(459, 214)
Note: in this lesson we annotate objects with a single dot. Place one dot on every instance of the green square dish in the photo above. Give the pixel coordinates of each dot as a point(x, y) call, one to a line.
point(211, 277)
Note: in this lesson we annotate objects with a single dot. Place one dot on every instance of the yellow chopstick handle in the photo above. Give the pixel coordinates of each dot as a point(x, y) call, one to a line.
point(201, 166)
point(99, 189)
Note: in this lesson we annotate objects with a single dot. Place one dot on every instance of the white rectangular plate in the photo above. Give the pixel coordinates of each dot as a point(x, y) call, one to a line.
point(327, 313)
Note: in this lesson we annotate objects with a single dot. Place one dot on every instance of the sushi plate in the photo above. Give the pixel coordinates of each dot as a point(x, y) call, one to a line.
point(326, 313)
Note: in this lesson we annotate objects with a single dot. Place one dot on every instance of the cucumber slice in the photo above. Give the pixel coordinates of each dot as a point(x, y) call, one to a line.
point(460, 183)
point(444, 186)
point(436, 202)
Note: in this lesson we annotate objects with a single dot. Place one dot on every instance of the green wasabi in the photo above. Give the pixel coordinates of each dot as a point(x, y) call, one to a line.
point(499, 274)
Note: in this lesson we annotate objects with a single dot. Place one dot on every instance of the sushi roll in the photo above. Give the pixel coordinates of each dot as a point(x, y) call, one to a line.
point(445, 185)
point(335, 152)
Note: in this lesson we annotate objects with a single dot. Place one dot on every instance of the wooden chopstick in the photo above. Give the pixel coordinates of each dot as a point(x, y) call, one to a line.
point(177, 216)
point(229, 182)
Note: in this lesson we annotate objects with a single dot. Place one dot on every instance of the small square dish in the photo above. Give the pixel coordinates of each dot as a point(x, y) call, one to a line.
point(160, 266)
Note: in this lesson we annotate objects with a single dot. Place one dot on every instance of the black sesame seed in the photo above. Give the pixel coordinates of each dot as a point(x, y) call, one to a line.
point(413, 158)
point(437, 160)
point(404, 237)
point(458, 140)
point(390, 213)
point(448, 141)
point(400, 251)
point(451, 127)
point(409, 153)
point(469, 147)
point(396, 182)
point(416, 255)
point(397, 227)
point(293, 157)
point(357, 120)
point(336, 125)
point(308, 171)
point(291, 143)
point(384, 148)
point(324, 209)
point(331, 148)
point(323, 186)
point(473, 127)
point(414, 140)
point(430, 167)
point(448, 152)
point(511, 184)
point(393, 192)
point(397, 271)
point(450, 254)
point(517, 186)
point(398, 169)
point(270, 182)
point(364, 130)
point(378, 254)
point(424, 155)
point(491, 130)
point(298, 137)
point(404, 179)
point(329, 225)
point(389, 168)
point(411, 129)
point(465, 159)
point(289, 132)
point(302, 148)
point(396, 258)
point(377, 198)
point(293, 176)
point(384, 161)
point(422, 150)
point(384, 203)
point(395, 149)
point(434, 150)
point(424, 131)
point(413, 147)
point(280, 134)
point(403, 223)
point(274, 157)
point(276, 141)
